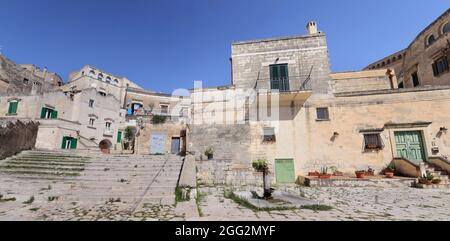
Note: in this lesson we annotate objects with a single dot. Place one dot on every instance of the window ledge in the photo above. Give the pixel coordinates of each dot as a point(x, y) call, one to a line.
point(11, 114)
point(93, 128)
point(372, 150)
point(321, 120)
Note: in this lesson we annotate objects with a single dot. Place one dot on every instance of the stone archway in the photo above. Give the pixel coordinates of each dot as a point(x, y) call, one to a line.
point(105, 146)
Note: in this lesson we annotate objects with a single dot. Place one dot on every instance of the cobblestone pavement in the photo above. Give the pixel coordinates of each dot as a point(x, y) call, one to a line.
point(53, 200)
point(366, 203)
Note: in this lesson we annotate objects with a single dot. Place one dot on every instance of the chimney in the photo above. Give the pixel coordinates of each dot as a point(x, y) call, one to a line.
point(311, 28)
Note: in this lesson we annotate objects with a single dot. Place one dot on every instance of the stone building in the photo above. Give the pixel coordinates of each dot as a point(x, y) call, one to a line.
point(425, 62)
point(284, 105)
point(25, 79)
point(168, 133)
point(81, 119)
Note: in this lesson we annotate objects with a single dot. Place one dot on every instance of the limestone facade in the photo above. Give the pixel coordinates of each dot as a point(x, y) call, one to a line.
point(417, 64)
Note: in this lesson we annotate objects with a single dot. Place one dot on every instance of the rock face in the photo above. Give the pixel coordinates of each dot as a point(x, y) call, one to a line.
point(16, 136)
point(25, 79)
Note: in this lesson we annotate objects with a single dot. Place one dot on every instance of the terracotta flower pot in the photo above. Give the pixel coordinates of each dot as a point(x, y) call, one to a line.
point(313, 174)
point(360, 174)
point(389, 174)
point(324, 176)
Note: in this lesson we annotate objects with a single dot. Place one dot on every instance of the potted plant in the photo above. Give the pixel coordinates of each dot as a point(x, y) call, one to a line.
point(370, 172)
point(263, 167)
point(436, 181)
point(209, 153)
point(360, 174)
point(336, 172)
point(313, 174)
point(426, 179)
point(389, 170)
point(324, 173)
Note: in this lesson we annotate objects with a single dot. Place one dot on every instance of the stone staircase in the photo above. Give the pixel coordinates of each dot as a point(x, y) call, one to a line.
point(97, 178)
point(437, 173)
point(44, 164)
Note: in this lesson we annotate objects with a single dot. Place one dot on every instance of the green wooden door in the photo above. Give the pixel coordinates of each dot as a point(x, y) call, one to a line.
point(285, 171)
point(409, 145)
point(119, 136)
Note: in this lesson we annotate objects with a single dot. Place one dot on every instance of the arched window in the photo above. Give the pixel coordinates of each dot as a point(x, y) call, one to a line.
point(116, 82)
point(92, 73)
point(446, 28)
point(108, 79)
point(400, 57)
point(100, 76)
point(431, 39)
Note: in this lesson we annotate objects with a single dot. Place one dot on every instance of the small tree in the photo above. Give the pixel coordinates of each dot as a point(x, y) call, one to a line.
point(157, 119)
point(130, 135)
point(263, 167)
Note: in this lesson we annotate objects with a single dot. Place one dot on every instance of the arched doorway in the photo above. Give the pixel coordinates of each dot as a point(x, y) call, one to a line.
point(105, 146)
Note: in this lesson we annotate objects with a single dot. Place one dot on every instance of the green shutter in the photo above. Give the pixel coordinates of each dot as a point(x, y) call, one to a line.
point(63, 145)
point(54, 114)
point(13, 107)
point(43, 111)
point(119, 137)
point(284, 71)
point(73, 144)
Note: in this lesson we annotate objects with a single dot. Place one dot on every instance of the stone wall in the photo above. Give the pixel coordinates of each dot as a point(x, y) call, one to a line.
point(232, 159)
point(16, 136)
point(19, 80)
point(303, 55)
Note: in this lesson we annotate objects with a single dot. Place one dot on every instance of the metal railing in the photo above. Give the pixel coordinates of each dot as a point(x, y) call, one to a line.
point(292, 83)
point(280, 84)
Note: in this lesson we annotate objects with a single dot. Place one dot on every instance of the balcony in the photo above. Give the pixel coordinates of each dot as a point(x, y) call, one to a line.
point(296, 89)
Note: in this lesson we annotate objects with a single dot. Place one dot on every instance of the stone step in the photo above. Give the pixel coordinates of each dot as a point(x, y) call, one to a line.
point(40, 167)
point(50, 160)
point(51, 156)
point(69, 164)
point(434, 186)
point(38, 173)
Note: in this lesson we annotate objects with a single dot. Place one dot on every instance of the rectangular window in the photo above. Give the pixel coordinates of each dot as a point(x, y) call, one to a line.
point(47, 113)
point(108, 126)
point(372, 142)
point(279, 77)
point(91, 103)
point(322, 114)
point(13, 105)
point(440, 66)
point(415, 79)
point(91, 122)
point(164, 109)
point(269, 134)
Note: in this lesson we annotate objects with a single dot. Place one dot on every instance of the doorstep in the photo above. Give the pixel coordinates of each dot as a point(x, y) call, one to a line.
point(369, 181)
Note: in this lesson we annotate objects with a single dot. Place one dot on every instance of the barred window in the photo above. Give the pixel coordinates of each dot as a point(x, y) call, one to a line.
point(372, 142)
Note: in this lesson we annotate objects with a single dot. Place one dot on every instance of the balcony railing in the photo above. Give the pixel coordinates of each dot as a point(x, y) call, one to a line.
point(292, 83)
point(280, 84)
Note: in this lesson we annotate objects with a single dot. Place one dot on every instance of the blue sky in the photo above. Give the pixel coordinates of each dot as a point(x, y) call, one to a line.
point(167, 44)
